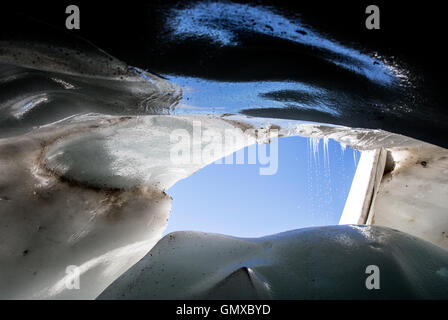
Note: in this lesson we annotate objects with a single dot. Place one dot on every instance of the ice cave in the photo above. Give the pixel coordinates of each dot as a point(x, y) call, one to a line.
point(95, 133)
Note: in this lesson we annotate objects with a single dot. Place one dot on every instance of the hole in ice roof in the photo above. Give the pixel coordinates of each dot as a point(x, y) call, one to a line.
point(309, 188)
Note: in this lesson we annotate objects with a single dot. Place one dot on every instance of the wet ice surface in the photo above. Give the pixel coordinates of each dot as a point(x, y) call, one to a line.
point(208, 96)
point(310, 263)
point(234, 199)
point(41, 84)
point(224, 22)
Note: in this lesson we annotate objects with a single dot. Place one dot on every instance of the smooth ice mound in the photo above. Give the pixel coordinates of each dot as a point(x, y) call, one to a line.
point(310, 263)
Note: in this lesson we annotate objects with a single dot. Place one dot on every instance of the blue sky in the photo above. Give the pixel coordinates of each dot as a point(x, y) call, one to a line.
point(234, 199)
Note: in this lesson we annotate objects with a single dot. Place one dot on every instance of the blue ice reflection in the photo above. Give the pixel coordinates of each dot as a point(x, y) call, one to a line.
point(222, 22)
point(208, 97)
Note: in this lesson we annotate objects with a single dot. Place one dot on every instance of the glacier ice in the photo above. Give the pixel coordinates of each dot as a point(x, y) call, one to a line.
point(89, 191)
point(412, 197)
point(86, 191)
point(298, 264)
point(34, 95)
point(48, 223)
point(84, 162)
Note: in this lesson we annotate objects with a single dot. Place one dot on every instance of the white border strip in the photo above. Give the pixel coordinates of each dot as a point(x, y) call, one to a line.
point(364, 187)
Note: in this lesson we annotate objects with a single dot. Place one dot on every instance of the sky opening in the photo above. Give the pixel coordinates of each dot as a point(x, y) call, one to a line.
point(309, 189)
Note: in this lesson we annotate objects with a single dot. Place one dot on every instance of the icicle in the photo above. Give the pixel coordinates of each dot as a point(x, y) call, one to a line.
point(326, 153)
point(343, 147)
point(315, 147)
point(309, 149)
point(354, 157)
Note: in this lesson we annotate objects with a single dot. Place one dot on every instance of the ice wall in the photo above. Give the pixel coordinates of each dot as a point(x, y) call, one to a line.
point(89, 192)
point(413, 196)
point(48, 223)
